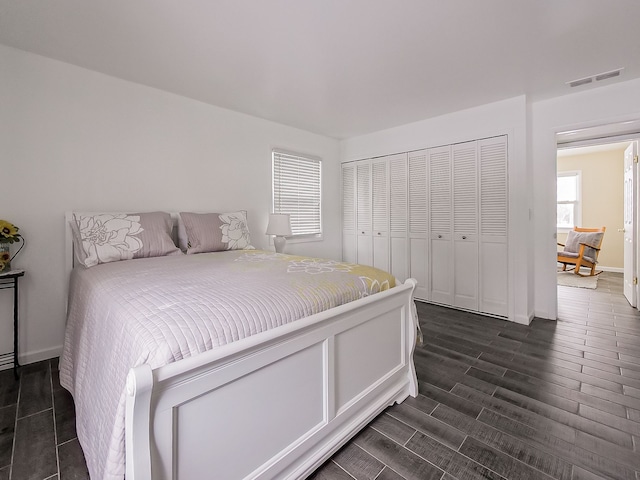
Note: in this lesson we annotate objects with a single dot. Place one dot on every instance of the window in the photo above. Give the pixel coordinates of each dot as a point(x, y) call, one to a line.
point(297, 191)
point(569, 207)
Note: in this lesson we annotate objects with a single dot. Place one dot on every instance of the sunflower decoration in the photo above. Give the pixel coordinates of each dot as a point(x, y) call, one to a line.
point(5, 258)
point(9, 232)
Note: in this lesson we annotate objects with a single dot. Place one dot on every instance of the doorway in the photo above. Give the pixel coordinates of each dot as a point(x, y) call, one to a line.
point(597, 187)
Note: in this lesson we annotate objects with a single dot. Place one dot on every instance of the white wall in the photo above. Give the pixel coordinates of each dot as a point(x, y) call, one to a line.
point(610, 104)
point(74, 139)
point(505, 117)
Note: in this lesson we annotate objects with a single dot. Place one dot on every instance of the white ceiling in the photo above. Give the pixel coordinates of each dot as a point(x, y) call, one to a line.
point(337, 67)
point(596, 148)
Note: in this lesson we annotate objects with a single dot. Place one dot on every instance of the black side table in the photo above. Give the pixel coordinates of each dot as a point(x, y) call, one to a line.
point(10, 280)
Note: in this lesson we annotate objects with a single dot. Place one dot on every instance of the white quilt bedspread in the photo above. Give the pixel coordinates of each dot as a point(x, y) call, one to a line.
point(160, 310)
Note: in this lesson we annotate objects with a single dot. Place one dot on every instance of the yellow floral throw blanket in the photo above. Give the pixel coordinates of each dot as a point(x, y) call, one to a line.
point(326, 274)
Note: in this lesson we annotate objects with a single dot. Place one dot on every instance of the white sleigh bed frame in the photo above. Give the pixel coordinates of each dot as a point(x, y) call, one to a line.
point(285, 399)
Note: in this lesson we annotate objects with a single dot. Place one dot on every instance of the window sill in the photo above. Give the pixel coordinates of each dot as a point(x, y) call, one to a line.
point(301, 239)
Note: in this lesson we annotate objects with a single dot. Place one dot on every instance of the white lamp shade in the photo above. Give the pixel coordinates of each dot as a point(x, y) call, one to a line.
point(279, 224)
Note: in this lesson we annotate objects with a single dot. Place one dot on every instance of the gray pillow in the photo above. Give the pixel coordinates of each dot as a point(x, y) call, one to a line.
point(574, 239)
point(216, 232)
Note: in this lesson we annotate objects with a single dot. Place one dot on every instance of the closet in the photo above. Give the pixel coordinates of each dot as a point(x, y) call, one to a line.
point(438, 215)
point(374, 213)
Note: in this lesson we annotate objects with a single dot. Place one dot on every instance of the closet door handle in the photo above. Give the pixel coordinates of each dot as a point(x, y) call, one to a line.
point(464, 237)
point(439, 236)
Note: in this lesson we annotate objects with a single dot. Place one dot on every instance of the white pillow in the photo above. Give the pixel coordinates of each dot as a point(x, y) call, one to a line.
point(111, 237)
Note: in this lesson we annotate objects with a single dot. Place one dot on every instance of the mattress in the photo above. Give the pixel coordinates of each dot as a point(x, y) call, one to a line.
point(160, 310)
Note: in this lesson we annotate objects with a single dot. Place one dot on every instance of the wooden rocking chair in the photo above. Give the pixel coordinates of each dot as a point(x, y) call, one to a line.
point(581, 249)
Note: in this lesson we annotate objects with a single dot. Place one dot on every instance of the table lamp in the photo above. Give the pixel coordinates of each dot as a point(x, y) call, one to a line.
point(280, 226)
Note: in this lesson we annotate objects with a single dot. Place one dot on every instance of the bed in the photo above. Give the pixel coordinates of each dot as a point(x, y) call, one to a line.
point(230, 364)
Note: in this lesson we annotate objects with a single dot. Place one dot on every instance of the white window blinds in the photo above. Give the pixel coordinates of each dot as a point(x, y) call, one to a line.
point(297, 191)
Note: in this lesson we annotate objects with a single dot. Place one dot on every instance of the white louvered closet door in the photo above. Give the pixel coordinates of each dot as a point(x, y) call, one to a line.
point(440, 231)
point(398, 221)
point(438, 215)
point(380, 212)
point(493, 216)
point(363, 213)
point(417, 208)
point(465, 225)
point(349, 252)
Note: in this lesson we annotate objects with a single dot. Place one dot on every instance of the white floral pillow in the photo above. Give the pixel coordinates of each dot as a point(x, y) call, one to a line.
point(109, 237)
point(215, 232)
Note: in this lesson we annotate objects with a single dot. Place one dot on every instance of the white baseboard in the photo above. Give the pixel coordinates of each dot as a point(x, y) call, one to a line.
point(610, 269)
point(604, 268)
point(523, 319)
point(544, 315)
point(32, 357)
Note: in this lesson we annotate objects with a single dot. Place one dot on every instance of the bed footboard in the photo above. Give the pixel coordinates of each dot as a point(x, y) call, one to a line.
point(277, 404)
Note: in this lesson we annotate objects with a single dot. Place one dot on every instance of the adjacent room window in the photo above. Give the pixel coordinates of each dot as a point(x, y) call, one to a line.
point(297, 182)
point(569, 206)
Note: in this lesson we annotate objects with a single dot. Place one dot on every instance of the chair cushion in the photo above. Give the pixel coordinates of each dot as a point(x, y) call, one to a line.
point(574, 239)
point(566, 254)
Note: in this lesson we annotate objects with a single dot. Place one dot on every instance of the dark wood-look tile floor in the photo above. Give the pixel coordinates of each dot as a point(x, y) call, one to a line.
point(38, 426)
point(554, 400)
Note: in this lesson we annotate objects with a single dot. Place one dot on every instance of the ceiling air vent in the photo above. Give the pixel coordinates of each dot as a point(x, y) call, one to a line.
point(581, 81)
point(611, 74)
point(596, 78)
